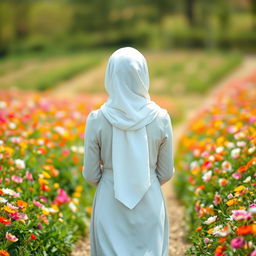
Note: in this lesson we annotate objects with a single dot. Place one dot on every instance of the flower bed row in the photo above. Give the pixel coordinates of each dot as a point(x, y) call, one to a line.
point(45, 204)
point(216, 159)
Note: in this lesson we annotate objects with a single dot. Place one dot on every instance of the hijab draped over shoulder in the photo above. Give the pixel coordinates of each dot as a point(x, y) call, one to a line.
point(129, 109)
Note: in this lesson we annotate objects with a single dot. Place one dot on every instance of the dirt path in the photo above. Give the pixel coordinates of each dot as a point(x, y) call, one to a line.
point(178, 244)
point(84, 81)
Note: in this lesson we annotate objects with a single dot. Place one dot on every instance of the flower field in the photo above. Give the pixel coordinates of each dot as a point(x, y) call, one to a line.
point(44, 200)
point(216, 159)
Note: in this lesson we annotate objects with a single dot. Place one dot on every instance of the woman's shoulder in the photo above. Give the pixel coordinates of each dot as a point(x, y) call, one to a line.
point(163, 115)
point(95, 115)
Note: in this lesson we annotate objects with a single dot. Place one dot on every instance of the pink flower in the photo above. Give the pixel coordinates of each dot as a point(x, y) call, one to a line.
point(230, 196)
point(39, 225)
point(38, 204)
point(253, 253)
point(29, 176)
point(226, 165)
point(240, 215)
point(237, 175)
point(206, 240)
point(217, 198)
point(62, 197)
point(237, 242)
point(223, 182)
point(43, 198)
point(17, 179)
point(18, 216)
point(11, 237)
point(65, 152)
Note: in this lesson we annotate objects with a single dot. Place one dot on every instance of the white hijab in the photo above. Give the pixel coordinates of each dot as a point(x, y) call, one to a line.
point(129, 109)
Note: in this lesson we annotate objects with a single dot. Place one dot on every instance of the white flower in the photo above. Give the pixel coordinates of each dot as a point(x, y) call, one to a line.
point(60, 130)
point(210, 220)
point(241, 143)
point(230, 144)
point(207, 176)
point(20, 164)
point(235, 152)
point(220, 231)
point(226, 165)
point(12, 125)
point(219, 149)
point(193, 164)
point(3, 104)
point(3, 200)
point(72, 206)
point(211, 158)
point(252, 210)
point(248, 179)
point(251, 150)
point(239, 135)
point(10, 192)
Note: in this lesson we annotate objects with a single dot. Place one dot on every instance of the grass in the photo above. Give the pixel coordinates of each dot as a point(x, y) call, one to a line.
point(179, 72)
point(42, 72)
point(189, 72)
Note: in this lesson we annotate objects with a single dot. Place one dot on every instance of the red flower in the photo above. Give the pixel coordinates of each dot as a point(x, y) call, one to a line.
point(33, 237)
point(244, 230)
point(242, 168)
point(5, 221)
point(4, 253)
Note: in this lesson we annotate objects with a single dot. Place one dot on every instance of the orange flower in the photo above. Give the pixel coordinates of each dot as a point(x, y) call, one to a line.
point(22, 204)
point(222, 240)
point(198, 228)
point(242, 168)
point(231, 202)
point(220, 249)
point(5, 221)
point(4, 253)
point(244, 230)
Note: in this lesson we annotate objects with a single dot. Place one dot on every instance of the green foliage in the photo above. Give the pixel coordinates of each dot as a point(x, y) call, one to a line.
point(42, 25)
point(43, 73)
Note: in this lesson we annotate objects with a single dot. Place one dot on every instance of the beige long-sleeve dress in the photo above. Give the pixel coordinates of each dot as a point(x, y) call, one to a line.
point(116, 230)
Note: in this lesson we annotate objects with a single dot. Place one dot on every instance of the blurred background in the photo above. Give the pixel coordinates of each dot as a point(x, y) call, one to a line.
point(35, 26)
point(63, 45)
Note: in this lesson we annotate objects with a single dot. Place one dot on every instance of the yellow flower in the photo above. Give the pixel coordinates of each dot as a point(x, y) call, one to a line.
point(76, 194)
point(79, 188)
point(46, 175)
point(239, 188)
point(195, 171)
point(8, 209)
point(43, 181)
point(210, 231)
point(45, 211)
point(9, 150)
point(55, 207)
point(231, 202)
point(56, 185)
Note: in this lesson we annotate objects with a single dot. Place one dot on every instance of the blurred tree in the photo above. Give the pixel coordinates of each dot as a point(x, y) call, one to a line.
point(7, 28)
point(190, 12)
point(253, 11)
point(223, 13)
point(21, 9)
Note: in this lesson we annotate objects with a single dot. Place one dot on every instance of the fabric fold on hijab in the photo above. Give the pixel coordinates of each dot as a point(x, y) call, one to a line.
point(129, 109)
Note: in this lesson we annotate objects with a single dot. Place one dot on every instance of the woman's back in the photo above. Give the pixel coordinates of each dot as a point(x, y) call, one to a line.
point(160, 153)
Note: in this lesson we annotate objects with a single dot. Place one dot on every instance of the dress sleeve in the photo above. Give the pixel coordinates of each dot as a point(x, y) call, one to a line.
point(165, 161)
point(91, 169)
